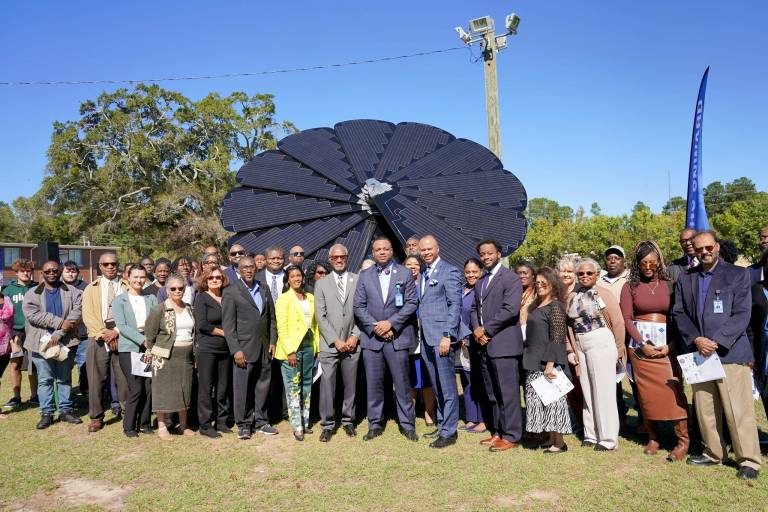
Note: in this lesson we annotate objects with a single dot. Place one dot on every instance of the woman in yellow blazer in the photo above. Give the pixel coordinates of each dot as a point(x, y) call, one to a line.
point(297, 345)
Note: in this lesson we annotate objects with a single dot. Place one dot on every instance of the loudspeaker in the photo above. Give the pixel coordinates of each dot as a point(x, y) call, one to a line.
point(47, 251)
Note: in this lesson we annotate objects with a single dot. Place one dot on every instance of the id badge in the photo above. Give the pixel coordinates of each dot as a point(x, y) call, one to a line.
point(600, 303)
point(717, 306)
point(399, 299)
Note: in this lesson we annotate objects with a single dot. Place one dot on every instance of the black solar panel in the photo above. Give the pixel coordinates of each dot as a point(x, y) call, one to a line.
point(325, 186)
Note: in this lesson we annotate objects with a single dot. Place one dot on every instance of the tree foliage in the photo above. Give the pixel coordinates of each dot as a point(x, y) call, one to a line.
point(147, 169)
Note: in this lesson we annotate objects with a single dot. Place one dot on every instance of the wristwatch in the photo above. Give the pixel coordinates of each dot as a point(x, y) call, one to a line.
point(446, 334)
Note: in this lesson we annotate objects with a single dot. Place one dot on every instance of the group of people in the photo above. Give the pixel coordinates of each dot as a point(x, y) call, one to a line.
point(160, 329)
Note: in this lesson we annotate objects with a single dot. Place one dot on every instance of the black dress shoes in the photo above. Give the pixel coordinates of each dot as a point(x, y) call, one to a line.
point(746, 473)
point(46, 420)
point(210, 432)
point(701, 460)
point(326, 435)
point(68, 417)
point(130, 433)
point(372, 434)
point(432, 435)
point(224, 429)
point(442, 442)
point(409, 434)
point(146, 430)
point(350, 430)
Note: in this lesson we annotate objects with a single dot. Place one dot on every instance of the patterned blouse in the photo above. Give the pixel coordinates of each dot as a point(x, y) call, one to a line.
point(585, 311)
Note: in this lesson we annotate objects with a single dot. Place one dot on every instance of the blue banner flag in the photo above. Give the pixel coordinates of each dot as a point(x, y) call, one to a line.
point(695, 213)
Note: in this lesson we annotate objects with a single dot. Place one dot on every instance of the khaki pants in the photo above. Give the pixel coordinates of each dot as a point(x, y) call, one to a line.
point(731, 397)
point(597, 358)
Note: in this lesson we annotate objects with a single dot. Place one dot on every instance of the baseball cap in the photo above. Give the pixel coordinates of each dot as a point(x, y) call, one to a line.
point(616, 249)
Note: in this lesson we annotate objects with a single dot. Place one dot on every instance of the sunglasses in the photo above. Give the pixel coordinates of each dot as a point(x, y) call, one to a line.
point(214, 278)
point(706, 248)
point(108, 264)
point(588, 273)
point(542, 285)
point(321, 272)
point(649, 264)
point(237, 253)
point(684, 241)
point(176, 289)
point(297, 254)
point(338, 257)
point(51, 271)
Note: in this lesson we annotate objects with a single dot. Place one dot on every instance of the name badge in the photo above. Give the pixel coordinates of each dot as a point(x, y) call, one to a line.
point(399, 299)
point(717, 306)
point(600, 303)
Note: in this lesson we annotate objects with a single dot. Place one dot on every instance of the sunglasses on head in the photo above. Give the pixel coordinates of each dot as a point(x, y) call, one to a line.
point(237, 253)
point(587, 273)
point(176, 289)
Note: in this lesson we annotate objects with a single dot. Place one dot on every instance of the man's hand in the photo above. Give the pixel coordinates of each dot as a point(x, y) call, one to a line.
point(340, 345)
point(292, 360)
point(706, 346)
point(108, 335)
point(240, 359)
point(479, 332)
point(351, 343)
point(53, 342)
point(445, 346)
point(113, 345)
point(271, 352)
point(68, 325)
point(381, 327)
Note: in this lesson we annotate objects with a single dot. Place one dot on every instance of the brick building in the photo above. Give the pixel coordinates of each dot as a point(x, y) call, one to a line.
point(86, 256)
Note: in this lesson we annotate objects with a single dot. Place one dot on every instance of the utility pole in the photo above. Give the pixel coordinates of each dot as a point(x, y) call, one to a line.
point(483, 31)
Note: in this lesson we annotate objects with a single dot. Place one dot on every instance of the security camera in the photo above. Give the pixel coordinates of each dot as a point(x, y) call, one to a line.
point(512, 22)
point(463, 35)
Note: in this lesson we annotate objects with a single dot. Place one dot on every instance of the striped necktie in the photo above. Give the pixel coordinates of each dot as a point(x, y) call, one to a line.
point(340, 287)
point(273, 289)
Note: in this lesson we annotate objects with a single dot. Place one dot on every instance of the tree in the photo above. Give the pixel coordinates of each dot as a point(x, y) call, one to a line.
point(148, 168)
point(675, 204)
point(9, 225)
point(595, 209)
point(742, 221)
point(542, 208)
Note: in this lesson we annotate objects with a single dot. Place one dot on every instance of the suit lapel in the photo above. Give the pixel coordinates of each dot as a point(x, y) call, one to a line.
point(247, 294)
point(493, 282)
point(393, 276)
point(349, 288)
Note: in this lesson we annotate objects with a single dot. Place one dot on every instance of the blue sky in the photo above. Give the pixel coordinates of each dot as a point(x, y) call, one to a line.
point(597, 98)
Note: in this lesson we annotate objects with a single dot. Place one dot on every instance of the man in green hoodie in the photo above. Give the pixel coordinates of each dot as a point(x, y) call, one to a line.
point(16, 291)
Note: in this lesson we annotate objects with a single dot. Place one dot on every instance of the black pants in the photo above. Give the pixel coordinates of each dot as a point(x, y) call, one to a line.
point(251, 392)
point(213, 376)
point(98, 363)
point(138, 405)
point(502, 386)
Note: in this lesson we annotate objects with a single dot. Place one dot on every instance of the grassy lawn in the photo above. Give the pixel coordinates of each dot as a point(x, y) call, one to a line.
point(65, 468)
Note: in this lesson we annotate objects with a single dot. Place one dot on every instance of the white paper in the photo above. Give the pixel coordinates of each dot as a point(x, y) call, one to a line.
point(654, 333)
point(137, 365)
point(318, 371)
point(462, 356)
point(620, 372)
point(552, 390)
point(697, 368)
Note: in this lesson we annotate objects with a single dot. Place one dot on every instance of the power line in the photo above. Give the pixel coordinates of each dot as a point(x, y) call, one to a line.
point(231, 75)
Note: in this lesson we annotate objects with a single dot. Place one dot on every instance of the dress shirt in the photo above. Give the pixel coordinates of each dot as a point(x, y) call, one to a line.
point(255, 293)
point(385, 274)
point(427, 272)
point(344, 280)
point(278, 281)
point(115, 283)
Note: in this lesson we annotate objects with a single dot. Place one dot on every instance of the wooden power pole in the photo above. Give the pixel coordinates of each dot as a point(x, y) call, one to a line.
point(491, 92)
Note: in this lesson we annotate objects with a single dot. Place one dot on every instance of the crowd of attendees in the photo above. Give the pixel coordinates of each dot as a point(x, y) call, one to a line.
point(213, 345)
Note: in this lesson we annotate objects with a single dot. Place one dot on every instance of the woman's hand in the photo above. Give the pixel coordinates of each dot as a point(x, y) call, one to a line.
point(649, 351)
point(292, 360)
point(549, 371)
point(573, 358)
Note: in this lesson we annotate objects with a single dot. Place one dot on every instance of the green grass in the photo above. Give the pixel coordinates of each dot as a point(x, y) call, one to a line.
point(65, 468)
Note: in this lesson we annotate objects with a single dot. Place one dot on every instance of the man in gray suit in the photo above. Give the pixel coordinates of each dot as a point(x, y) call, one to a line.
point(338, 342)
point(248, 319)
point(385, 306)
point(439, 289)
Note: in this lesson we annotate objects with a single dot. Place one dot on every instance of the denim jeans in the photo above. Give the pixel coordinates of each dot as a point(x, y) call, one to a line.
point(49, 370)
point(297, 382)
point(82, 377)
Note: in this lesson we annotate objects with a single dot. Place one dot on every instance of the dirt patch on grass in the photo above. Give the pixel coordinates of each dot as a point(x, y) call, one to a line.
point(533, 497)
point(77, 492)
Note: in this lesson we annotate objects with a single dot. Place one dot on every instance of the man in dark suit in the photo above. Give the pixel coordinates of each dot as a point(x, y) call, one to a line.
point(439, 289)
point(248, 319)
point(495, 319)
point(339, 347)
point(757, 269)
point(384, 305)
point(712, 308)
point(688, 260)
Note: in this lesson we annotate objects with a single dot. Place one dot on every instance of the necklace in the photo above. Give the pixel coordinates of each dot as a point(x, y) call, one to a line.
point(652, 290)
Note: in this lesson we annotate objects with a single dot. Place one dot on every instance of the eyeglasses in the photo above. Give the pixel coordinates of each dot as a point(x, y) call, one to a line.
point(214, 278)
point(338, 257)
point(321, 272)
point(649, 264)
point(702, 250)
point(51, 271)
point(108, 264)
point(176, 289)
point(297, 254)
point(212, 262)
point(587, 273)
point(684, 241)
point(542, 284)
point(237, 253)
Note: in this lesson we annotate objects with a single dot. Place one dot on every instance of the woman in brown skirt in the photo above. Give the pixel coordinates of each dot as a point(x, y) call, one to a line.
point(169, 331)
point(645, 303)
